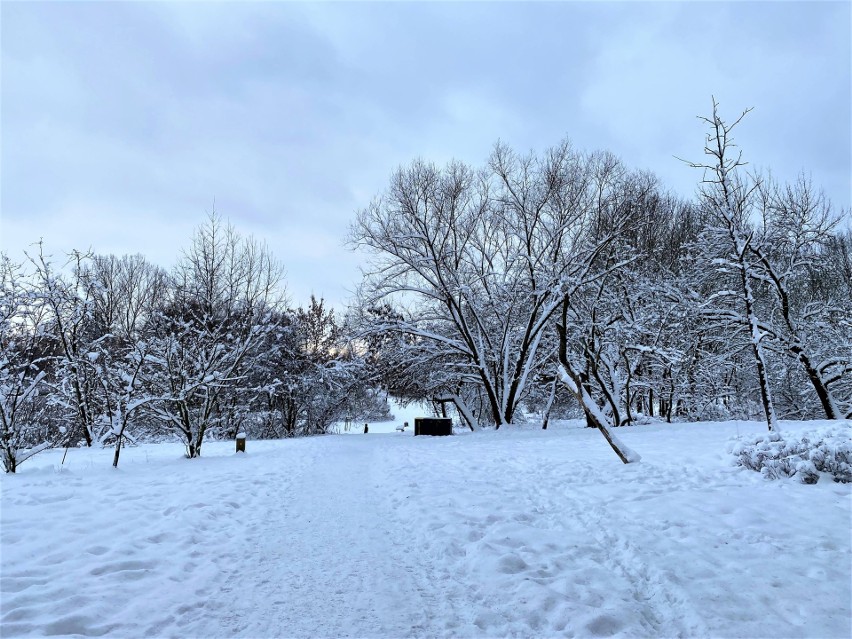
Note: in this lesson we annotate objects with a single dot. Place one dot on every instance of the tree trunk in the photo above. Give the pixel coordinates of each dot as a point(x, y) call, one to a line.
point(10, 463)
point(594, 415)
point(193, 445)
point(573, 381)
point(795, 345)
point(492, 400)
point(117, 451)
point(822, 391)
point(462, 408)
point(549, 404)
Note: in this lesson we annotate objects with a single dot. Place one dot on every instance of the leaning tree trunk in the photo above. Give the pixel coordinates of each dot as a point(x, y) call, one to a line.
point(573, 380)
point(461, 407)
point(596, 416)
point(822, 391)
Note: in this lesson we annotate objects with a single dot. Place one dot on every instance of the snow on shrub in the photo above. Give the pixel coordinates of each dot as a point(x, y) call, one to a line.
point(803, 455)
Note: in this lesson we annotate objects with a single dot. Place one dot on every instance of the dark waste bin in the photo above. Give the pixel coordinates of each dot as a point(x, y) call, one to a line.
point(433, 426)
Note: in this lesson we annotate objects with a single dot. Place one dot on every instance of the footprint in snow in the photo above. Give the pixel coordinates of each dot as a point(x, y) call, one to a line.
point(511, 565)
point(604, 626)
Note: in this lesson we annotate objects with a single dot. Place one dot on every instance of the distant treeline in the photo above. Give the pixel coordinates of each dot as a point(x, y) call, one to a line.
point(536, 285)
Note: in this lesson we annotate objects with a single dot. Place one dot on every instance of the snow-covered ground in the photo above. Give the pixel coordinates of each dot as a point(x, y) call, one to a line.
point(512, 533)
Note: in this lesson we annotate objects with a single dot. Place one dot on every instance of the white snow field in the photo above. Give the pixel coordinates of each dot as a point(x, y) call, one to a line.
point(519, 532)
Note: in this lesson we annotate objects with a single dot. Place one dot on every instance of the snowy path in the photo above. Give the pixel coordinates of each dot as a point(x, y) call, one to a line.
point(301, 548)
point(521, 533)
point(306, 564)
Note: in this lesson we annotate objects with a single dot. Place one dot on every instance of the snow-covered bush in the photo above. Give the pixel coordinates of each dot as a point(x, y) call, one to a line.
point(803, 455)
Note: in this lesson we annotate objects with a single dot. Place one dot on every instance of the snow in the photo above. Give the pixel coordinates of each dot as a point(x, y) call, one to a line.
point(516, 532)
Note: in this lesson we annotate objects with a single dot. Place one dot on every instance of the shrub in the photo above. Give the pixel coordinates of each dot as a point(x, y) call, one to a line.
point(802, 455)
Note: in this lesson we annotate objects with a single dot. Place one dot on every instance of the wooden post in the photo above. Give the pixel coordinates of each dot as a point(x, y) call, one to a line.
point(241, 443)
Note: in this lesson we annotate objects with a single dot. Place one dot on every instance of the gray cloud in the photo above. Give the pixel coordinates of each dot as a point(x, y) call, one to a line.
point(121, 122)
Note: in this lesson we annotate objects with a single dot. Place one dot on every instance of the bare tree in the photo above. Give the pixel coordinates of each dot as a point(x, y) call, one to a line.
point(728, 196)
point(23, 364)
point(485, 258)
point(69, 305)
point(225, 303)
point(125, 291)
point(791, 260)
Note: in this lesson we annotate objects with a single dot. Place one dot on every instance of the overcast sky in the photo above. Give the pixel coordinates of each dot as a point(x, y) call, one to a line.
point(121, 122)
